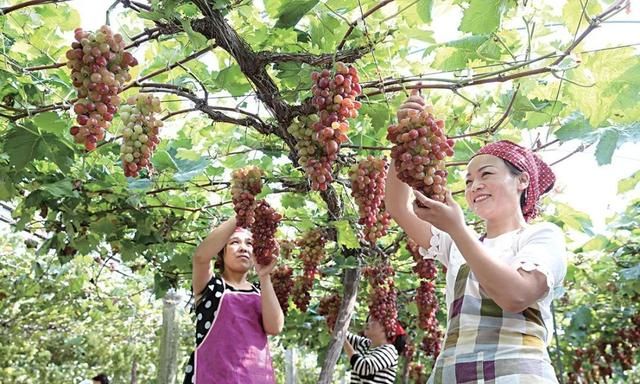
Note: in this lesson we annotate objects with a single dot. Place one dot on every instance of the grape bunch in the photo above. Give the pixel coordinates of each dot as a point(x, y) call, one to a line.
point(301, 292)
point(246, 183)
point(382, 296)
point(420, 147)
point(424, 268)
point(311, 252)
point(367, 187)
point(329, 307)
point(263, 230)
point(599, 360)
point(334, 96)
point(282, 281)
point(99, 68)
point(286, 248)
point(426, 301)
point(139, 132)
point(417, 373)
point(334, 93)
point(312, 157)
point(409, 350)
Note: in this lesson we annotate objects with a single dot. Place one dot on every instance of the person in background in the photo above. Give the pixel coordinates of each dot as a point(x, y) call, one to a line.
point(374, 357)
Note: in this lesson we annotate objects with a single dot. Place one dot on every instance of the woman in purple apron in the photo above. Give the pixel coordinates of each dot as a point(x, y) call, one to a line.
point(499, 285)
point(233, 317)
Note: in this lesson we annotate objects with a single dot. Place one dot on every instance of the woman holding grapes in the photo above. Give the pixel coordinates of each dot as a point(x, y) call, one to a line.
point(499, 284)
point(233, 316)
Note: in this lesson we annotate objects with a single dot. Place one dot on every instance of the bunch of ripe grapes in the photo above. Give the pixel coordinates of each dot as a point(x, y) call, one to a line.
point(312, 252)
point(246, 183)
point(312, 157)
point(99, 68)
point(328, 307)
point(367, 187)
point(282, 281)
point(420, 147)
point(382, 296)
point(263, 229)
point(426, 301)
point(334, 96)
point(139, 133)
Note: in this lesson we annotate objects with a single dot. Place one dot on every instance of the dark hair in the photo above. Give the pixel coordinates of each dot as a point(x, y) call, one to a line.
point(219, 263)
point(515, 171)
point(400, 342)
point(102, 378)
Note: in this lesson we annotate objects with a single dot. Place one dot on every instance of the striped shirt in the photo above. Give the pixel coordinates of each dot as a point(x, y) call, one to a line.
point(372, 365)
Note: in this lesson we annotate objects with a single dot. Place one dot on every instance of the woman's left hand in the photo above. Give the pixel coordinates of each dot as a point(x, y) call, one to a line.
point(265, 270)
point(445, 216)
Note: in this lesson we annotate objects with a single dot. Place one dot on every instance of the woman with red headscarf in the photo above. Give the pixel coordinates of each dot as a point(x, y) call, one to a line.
point(499, 284)
point(374, 357)
point(233, 316)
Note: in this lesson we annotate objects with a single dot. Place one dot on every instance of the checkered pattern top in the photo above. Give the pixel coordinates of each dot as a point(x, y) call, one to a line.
point(484, 343)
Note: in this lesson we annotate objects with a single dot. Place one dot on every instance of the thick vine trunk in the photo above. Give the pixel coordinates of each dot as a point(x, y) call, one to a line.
point(351, 279)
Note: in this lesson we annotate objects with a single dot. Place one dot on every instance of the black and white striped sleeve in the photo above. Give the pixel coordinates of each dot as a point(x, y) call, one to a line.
point(359, 343)
point(380, 358)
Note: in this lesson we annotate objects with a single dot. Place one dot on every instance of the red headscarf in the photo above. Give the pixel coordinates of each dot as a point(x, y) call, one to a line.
point(399, 331)
point(541, 177)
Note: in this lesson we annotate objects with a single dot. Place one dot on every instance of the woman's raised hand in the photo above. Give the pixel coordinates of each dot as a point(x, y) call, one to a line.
point(447, 216)
point(265, 270)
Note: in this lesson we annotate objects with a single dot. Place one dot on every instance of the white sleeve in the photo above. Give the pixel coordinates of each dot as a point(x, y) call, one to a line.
point(440, 247)
point(542, 248)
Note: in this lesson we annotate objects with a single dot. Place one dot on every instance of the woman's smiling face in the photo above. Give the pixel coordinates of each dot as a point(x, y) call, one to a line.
point(491, 190)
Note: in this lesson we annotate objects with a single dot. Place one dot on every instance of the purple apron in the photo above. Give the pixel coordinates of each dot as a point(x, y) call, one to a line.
point(235, 350)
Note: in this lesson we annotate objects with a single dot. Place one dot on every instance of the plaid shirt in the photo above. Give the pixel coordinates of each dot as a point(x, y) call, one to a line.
point(484, 343)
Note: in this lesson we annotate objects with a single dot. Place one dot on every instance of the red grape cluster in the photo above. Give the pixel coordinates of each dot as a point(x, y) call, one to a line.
point(302, 290)
point(599, 360)
point(99, 68)
point(409, 350)
point(311, 252)
point(426, 301)
point(367, 187)
point(312, 157)
point(420, 147)
point(140, 132)
point(382, 297)
point(334, 96)
point(286, 248)
point(417, 373)
point(246, 183)
point(263, 230)
point(282, 281)
point(329, 307)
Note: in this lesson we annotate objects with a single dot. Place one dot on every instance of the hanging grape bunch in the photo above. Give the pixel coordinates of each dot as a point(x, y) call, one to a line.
point(367, 187)
point(417, 373)
point(334, 96)
point(282, 283)
point(382, 296)
point(139, 133)
point(420, 147)
point(312, 253)
point(99, 68)
point(329, 307)
point(598, 361)
point(426, 301)
point(246, 183)
point(286, 248)
point(311, 155)
point(263, 229)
